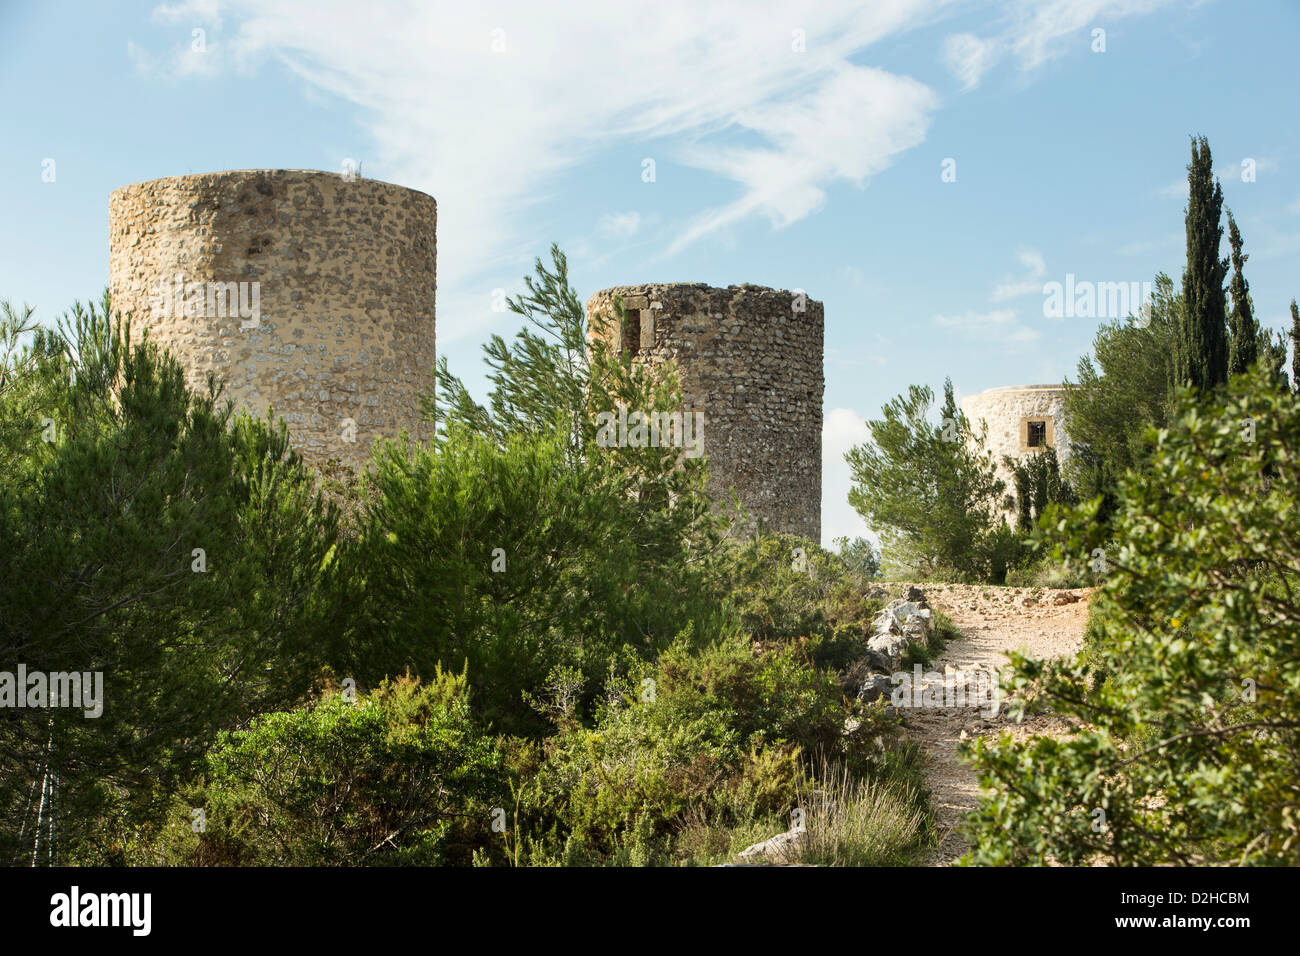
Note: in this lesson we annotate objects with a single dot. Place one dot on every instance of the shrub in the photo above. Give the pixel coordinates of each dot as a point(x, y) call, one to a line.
point(780, 588)
point(710, 739)
point(397, 776)
point(859, 555)
point(1185, 700)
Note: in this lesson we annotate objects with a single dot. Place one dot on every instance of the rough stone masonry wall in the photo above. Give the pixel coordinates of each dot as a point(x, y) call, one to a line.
point(1006, 410)
point(346, 272)
point(753, 366)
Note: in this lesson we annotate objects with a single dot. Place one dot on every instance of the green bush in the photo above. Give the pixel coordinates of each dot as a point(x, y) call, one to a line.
point(780, 588)
point(515, 541)
point(1185, 698)
point(859, 555)
point(397, 776)
point(554, 575)
point(717, 739)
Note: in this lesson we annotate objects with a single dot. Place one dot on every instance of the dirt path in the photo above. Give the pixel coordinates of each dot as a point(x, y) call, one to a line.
point(993, 620)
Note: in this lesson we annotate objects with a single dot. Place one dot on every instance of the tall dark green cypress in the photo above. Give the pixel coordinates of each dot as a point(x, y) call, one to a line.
point(1244, 342)
point(1295, 346)
point(1201, 359)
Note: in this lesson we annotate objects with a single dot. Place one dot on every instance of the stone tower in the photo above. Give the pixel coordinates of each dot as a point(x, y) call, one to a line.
point(1022, 420)
point(307, 291)
point(750, 359)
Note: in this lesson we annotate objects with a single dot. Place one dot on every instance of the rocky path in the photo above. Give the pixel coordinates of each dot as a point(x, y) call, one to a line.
point(993, 620)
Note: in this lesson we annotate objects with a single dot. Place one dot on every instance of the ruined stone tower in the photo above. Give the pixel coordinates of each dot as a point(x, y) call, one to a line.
point(750, 359)
point(307, 291)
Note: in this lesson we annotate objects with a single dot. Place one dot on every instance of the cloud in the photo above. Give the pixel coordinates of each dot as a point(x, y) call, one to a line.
point(1031, 282)
point(1175, 190)
point(1002, 326)
point(485, 108)
point(857, 278)
point(1037, 31)
point(842, 429)
point(968, 57)
point(619, 225)
point(1232, 171)
point(198, 55)
point(201, 58)
point(1228, 174)
point(1169, 242)
point(998, 325)
point(847, 130)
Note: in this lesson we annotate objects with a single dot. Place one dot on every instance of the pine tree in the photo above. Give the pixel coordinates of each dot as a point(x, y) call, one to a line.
point(1243, 346)
point(932, 491)
point(183, 555)
point(1122, 389)
point(1295, 347)
point(1201, 359)
point(1039, 483)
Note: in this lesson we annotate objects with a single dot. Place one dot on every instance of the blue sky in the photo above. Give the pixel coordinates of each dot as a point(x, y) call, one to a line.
point(817, 168)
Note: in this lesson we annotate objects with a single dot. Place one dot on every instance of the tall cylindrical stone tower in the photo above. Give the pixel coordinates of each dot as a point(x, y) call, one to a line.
point(750, 359)
point(309, 292)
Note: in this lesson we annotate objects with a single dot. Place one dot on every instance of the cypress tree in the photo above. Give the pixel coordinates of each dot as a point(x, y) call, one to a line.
point(1295, 347)
point(1243, 346)
point(1201, 359)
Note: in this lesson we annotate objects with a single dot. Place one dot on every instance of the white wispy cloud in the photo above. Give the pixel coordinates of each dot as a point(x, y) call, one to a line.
point(200, 54)
point(1142, 247)
point(1030, 282)
point(996, 325)
point(1002, 326)
point(1175, 190)
point(1035, 32)
point(1228, 174)
point(485, 107)
point(968, 57)
point(619, 225)
point(1233, 171)
point(814, 141)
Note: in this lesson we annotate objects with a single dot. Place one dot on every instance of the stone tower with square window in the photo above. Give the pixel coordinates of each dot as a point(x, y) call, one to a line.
point(1022, 420)
point(750, 359)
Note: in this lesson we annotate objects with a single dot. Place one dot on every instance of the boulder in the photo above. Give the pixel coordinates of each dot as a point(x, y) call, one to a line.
point(903, 610)
point(916, 631)
point(782, 848)
point(875, 687)
point(886, 651)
